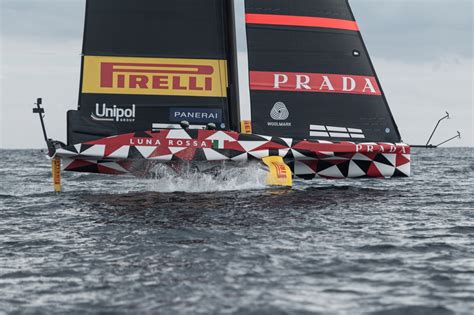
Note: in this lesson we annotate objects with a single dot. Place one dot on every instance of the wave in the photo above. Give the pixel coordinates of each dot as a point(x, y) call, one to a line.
point(415, 309)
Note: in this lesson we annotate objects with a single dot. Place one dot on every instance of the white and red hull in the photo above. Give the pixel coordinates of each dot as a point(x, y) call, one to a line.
point(136, 153)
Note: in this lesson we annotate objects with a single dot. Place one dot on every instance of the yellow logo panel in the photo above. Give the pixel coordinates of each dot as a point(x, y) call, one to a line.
point(246, 126)
point(279, 173)
point(155, 76)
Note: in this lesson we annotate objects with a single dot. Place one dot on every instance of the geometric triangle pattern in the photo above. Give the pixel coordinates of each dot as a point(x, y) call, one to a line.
point(136, 153)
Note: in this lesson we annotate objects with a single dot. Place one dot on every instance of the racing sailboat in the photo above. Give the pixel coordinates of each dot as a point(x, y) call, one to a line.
point(285, 83)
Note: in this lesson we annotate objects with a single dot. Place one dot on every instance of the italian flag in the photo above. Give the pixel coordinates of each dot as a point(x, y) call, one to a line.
point(218, 144)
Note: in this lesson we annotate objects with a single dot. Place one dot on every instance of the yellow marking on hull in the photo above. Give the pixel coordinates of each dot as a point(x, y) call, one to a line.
point(279, 173)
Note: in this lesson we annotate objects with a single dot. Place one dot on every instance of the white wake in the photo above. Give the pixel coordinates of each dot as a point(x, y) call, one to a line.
point(248, 176)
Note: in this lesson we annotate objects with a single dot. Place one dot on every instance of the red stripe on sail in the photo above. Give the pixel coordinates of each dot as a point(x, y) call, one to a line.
point(314, 82)
point(307, 21)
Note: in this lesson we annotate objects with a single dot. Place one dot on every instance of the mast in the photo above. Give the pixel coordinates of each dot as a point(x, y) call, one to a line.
point(241, 65)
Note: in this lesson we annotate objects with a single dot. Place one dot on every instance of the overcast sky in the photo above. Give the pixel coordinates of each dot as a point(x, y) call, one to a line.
point(422, 51)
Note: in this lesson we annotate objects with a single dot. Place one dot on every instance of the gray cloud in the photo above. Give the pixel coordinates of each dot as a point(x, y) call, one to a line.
point(50, 20)
point(416, 31)
point(399, 29)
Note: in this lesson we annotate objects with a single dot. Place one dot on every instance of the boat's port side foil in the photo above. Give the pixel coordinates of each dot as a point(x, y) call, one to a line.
point(135, 153)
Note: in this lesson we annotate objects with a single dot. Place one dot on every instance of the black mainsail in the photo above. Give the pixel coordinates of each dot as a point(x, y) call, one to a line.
point(310, 73)
point(149, 63)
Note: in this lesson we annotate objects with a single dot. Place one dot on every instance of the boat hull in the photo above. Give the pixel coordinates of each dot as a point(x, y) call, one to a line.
point(138, 153)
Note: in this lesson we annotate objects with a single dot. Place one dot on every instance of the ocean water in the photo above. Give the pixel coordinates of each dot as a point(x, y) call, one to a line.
point(229, 245)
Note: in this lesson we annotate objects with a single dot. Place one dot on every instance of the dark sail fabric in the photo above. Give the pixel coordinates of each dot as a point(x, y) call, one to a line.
point(151, 62)
point(310, 74)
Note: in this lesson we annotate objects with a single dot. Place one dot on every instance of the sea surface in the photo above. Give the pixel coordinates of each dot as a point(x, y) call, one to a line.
point(228, 245)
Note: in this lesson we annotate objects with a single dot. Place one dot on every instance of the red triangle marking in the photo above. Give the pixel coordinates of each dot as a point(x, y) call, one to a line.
point(374, 171)
point(187, 154)
point(160, 151)
point(111, 148)
point(235, 145)
point(401, 160)
point(78, 164)
point(312, 164)
point(105, 170)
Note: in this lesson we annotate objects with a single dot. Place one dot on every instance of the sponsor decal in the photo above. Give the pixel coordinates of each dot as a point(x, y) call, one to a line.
point(379, 148)
point(155, 76)
point(313, 82)
point(279, 113)
point(280, 169)
point(279, 173)
point(56, 168)
point(196, 115)
point(117, 113)
point(246, 127)
point(183, 143)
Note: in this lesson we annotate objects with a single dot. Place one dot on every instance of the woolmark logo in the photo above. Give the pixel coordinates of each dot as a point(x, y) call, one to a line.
point(279, 111)
point(114, 113)
point(279, 114)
